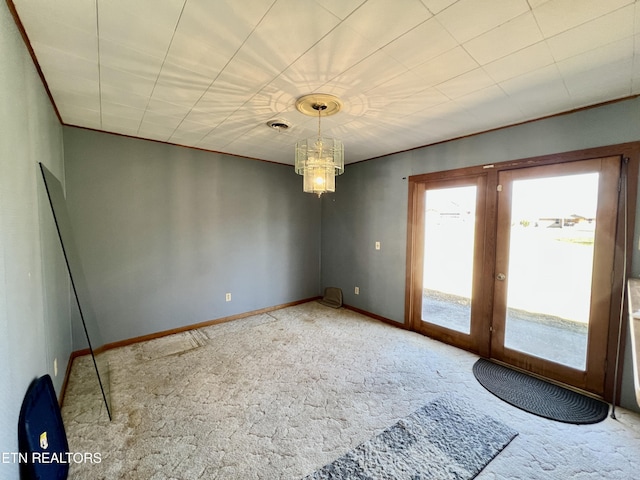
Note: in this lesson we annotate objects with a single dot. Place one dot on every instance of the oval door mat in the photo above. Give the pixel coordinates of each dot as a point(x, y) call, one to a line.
point(537, 396)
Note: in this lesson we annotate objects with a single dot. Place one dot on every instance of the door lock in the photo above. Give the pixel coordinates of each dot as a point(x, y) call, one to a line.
point(501, 277)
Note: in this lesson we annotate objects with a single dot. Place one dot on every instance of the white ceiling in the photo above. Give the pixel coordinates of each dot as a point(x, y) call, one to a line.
point(211, 73)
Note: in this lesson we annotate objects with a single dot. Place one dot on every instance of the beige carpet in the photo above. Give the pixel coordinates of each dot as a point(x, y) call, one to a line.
point(279, 395)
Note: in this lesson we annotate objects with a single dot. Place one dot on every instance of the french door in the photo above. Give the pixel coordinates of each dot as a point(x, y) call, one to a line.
point(517, 265)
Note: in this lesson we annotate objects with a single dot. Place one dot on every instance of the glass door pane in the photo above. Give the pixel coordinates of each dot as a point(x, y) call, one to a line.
point(549, 278)
point(449, 235)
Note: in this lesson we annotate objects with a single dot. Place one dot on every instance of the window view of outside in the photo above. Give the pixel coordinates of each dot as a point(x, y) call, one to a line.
point(550, 264)
point(450, 216)
point(550, 267)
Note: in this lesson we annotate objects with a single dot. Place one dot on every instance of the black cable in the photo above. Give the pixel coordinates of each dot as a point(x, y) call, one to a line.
point(624, 280)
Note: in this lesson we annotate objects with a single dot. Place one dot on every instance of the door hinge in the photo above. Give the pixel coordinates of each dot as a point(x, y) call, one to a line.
point(499, 188)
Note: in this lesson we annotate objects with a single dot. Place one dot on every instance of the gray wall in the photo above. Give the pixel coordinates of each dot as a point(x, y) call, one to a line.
point(34, 286)
point(371, 198)
point(164, 232)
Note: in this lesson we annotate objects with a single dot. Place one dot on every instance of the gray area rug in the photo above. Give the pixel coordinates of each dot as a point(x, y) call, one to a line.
point(445, 439)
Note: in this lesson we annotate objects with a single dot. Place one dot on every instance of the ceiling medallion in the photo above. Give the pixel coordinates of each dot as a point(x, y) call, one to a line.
point(319, 159)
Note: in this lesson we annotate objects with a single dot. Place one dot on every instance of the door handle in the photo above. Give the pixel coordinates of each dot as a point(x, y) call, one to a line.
point(501, 277)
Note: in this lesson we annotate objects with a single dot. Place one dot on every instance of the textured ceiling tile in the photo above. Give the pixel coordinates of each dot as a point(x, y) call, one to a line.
point(116, 110)
point(67, 86)
point(620, 52)
point(422, 43)
point(264, 56)
point(537, 3)
point(162, 130)
point(37, 14)
point(466, 83)
point(538, 92)
point(521, 62)
point(207, 73)
point(117, 56)
point(75, 114)
point(269, 45)
point(591, 35)
point(607, 69)
point(56, 61)
point(396, 89)
point(188, 52)
point(521, 84)
point(128, 98)
point(341, 8)
point(199, 47)
point(120, 81)
point(330, 57)
point(467, 19)
point(494, 103)
point(381, 21)
point(436, 6)
point(77, 98)
point(418, 101)
point(369, 73)
point(129, 24)
point(65, 38)
point(556, 16)
point(160, 14)
point(190, 132)
point(118, 123)
point(209, 117)
point(514, 35)
point(160, 107)
point(445, 67)
point(180, 86)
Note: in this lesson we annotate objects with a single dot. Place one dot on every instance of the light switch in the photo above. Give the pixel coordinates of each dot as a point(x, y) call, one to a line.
point(377, 245)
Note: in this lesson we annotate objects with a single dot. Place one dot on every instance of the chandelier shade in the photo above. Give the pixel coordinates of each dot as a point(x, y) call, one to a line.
point(319, 159)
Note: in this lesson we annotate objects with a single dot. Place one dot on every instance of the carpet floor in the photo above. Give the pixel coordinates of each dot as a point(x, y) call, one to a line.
point(279, 395)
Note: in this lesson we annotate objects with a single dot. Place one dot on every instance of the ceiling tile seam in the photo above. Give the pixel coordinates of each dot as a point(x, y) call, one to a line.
point(429, 10)
point(218, 76)
point(340, 22)
point(480, 34)
point(580, 24)
point(462, 44)
point(431, 19)
point(162, 66)
point(341, 19)
point(381, 49)
point(249, 128)
point(555, 61)
point(546, 40)
point(478, 65)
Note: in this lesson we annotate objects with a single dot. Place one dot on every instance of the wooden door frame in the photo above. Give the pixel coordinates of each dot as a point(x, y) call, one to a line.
point(630, 152)
point(609, 169)
point(463, 340)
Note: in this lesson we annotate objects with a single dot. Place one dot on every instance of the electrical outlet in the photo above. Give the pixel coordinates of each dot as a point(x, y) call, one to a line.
point(377, 245)
point(227, 297)
point(357, 290)
point(55, 367)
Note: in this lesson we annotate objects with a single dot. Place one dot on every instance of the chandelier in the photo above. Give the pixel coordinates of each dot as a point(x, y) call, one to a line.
point(319, 159)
